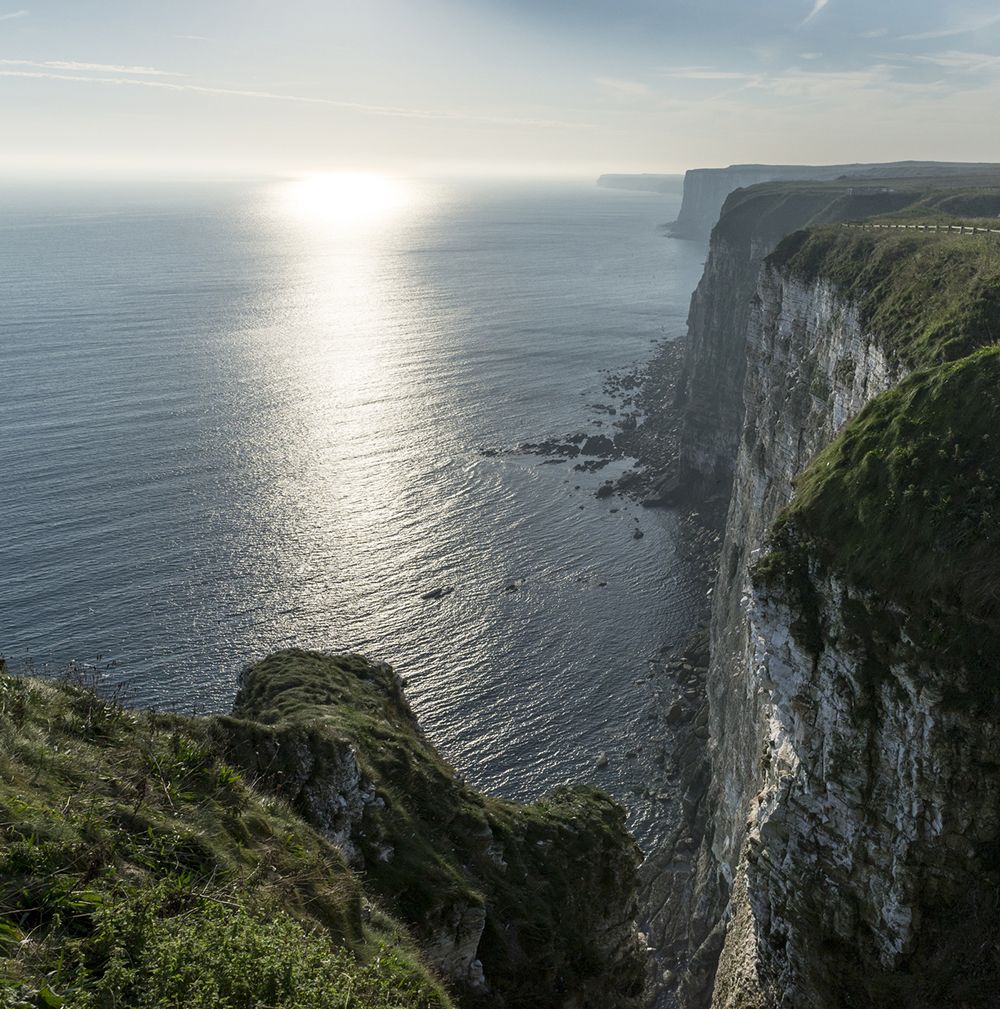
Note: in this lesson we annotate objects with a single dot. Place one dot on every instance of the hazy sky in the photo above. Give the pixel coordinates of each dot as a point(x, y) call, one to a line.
point(260, 86)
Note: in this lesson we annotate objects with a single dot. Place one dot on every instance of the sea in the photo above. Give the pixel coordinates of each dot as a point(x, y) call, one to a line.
point(237, 417)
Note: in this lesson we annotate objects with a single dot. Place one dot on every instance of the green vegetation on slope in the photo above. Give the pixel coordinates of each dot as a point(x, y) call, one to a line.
point(768, 211)
point(138, 868)
point(927, 297)
point(158, 860)
point(904, 502)
point(546, 875)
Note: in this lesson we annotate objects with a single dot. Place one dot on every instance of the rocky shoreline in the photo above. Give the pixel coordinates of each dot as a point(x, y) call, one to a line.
point(639, 422)
point(642, 426)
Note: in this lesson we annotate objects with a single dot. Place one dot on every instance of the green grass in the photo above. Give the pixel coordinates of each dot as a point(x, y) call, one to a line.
point(768, 211)
point(928, 298)
point(906, 503)
point(159, 860)
point(134, 860)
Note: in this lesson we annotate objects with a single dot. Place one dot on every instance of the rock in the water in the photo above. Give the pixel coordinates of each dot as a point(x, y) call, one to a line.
point(599, 444)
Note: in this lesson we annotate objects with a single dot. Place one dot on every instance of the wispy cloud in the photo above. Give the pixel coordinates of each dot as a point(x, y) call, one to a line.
point(817, 7)
point(952, 59)
point(193, 38)
point(799, 85)
point(104, 68)
point(621, 88)
point(965, 28)
point(705, 74)
point(360, 107)
point(12, 15)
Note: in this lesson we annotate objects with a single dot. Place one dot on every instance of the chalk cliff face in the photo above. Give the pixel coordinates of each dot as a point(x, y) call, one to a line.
point(752, 222)
point(862, 880)
point(810, 367)
point(849, 833)
point(710, 390)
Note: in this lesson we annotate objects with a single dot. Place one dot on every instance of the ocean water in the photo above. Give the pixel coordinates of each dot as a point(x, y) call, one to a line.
point(241, 417)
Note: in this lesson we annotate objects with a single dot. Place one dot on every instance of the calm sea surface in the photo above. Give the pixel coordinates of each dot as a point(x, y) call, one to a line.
point(238, 418)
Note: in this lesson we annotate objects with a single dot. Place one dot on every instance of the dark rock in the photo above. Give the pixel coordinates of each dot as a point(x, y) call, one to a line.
point(439, 593)
point(591, 465)
point(598, 444)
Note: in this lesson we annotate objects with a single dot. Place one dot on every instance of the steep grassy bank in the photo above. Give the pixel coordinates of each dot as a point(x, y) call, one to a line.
point(904, 504)
point(313, 850)
point(904, 501)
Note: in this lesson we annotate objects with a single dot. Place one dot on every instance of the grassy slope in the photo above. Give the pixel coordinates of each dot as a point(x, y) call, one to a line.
point(546, 873)
point(928, 298)
point(138, 868)
point(904, 502)
point(151, 860)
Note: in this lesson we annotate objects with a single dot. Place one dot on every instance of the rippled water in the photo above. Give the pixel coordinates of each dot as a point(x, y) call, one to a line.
point(240, 418)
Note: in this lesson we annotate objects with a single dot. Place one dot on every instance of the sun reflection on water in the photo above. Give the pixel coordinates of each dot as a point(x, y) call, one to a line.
point(345, 199)
point(345, 326)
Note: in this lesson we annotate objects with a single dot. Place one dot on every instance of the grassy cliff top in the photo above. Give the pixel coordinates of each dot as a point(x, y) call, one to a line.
point(928, 297)
point(905, 502)
point(770, 210)
point(541, 871)
point(138, 867)
point(158, 860)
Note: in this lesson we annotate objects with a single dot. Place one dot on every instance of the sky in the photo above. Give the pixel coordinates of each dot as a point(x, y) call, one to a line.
point(575, 87)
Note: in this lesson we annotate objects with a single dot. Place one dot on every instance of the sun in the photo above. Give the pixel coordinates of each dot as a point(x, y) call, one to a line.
point(345, 198)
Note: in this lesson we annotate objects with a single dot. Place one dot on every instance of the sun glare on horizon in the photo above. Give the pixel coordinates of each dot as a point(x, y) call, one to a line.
point(345, 198)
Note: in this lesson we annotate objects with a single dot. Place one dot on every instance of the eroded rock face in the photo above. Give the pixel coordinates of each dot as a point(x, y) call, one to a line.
point(316, 774)
point(878, 795)
point(710, 390)
point(854, 796)
point(453, 945)
point(809, 367)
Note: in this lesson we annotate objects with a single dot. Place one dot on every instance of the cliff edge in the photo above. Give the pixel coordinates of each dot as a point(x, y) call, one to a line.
point(852, 811)
point(706, 189)
point(312, 849)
